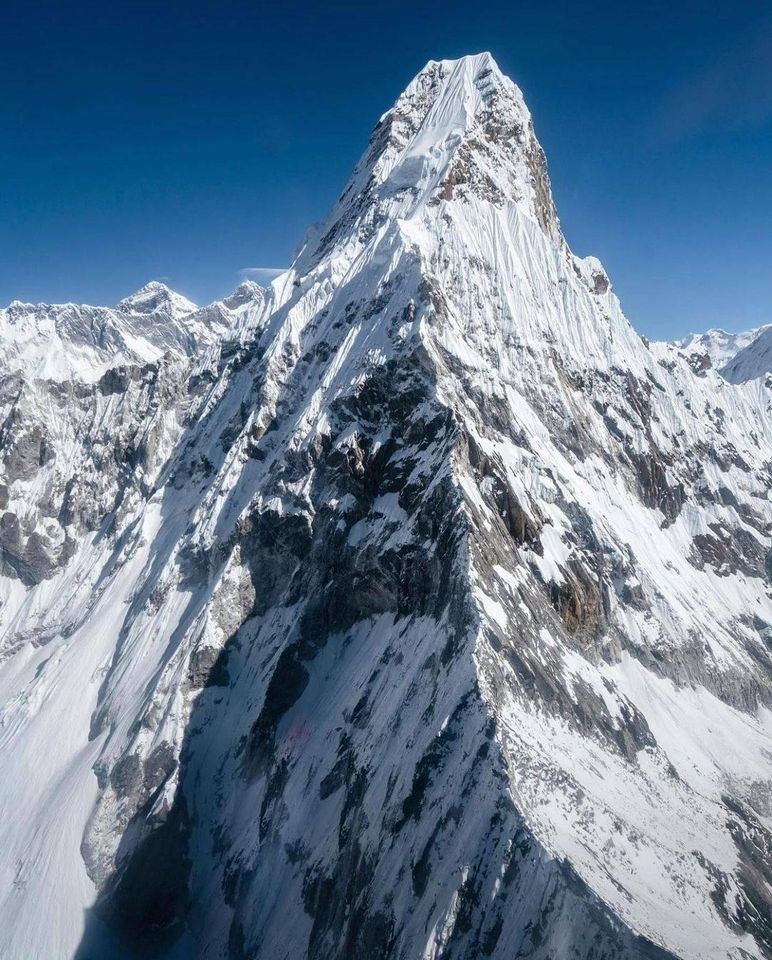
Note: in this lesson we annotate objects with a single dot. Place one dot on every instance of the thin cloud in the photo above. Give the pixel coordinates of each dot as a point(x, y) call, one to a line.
point(260, 273)
point(735, 91)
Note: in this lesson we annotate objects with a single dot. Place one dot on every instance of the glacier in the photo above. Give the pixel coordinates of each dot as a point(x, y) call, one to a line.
point(413, 606)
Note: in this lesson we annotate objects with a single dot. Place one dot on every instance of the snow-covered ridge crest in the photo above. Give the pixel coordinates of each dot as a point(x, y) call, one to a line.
point(739, 357)
point(430, 618)
point(719, 345)
point(70, 341)
point(460, 129)
point(752, 359)
point(156, 299)
point(65, 341)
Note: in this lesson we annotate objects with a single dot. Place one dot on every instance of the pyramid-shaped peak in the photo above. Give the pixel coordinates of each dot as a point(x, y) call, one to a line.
point(460, 131)
point(248, 291)
point(461, 76)
point(249, 287)
point(154, 288)
point(156, 297)
point(447, 95)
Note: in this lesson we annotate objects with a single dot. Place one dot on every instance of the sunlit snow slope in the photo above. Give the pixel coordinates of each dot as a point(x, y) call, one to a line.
point(737, 356)
point(416, 609)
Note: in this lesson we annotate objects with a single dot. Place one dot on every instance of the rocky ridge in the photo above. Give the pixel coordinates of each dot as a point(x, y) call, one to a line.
point(420, 609)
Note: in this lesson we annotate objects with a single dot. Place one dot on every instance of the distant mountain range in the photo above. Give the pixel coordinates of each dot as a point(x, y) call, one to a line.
point(737, 356)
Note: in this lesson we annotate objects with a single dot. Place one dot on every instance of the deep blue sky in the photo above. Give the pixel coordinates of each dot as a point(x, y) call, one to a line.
point(190, 140)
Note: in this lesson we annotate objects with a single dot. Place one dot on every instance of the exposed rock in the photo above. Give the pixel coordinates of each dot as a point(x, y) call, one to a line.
point(403, 610)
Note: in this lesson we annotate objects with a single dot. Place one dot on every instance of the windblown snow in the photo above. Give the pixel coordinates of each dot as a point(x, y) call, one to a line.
point(412, 607)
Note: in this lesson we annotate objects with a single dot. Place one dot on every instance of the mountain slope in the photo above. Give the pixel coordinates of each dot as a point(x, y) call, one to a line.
point(737, 356)
point(434, 622)
point(719, 345)
point(752, 361)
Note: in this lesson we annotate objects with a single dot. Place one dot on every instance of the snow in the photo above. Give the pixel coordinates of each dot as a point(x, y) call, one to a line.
point(62, 342)
point(752, 360)
point(441, 272)
point(720, 345)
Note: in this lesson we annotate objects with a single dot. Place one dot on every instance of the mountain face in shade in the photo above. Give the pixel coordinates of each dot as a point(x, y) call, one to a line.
point(753, 360)
point(417, 608)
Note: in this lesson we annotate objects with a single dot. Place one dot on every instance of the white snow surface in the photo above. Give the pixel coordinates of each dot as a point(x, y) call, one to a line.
point(70, 341)
point(720, 345)
point(610, 511)
point(753, 360)
point(737, 356)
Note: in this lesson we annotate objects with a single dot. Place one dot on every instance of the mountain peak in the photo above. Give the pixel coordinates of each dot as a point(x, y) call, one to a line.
point(753, 357)
point(246, 292)
point(448, 103)
point(460, 131)
point(419, 581)
point(472, 65)
point(154, 297)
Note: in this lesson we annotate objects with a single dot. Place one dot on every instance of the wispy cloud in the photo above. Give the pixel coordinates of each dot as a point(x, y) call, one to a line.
point(734, 91)
point(260, 273)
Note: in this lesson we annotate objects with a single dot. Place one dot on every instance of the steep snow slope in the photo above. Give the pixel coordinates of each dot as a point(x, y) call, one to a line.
point(426, 616)
point(82, 460)
point(753, 360)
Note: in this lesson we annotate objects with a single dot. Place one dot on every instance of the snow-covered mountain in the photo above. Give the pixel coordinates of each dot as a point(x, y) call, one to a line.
point(418, 609)
point(719, 345)
point(65, 341)
point(752, 360)
point(737, 356)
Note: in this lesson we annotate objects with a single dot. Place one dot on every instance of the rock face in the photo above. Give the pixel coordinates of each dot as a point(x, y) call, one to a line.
point(423, 612)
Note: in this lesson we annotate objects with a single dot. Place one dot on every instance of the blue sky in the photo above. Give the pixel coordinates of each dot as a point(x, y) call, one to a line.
point(187, 141)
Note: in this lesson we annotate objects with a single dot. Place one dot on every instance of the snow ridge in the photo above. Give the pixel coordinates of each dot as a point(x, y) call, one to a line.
point(414, 607)
point(753, 359)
